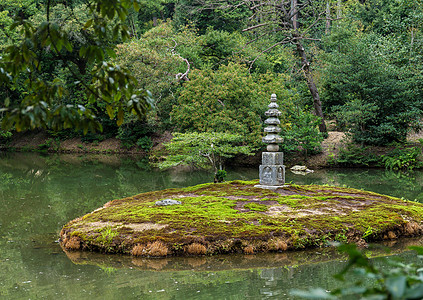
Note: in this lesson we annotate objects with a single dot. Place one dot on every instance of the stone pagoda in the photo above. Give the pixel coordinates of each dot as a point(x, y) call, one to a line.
point(272, 170)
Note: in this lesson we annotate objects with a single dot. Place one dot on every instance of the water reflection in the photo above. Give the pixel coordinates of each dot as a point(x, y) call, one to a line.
point(38, 194)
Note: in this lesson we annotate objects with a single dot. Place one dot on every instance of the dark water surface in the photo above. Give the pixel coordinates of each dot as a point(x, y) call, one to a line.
point(39, 194)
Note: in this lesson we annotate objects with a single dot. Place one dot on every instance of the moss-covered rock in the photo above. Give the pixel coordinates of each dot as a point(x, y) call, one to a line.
point(235, 217)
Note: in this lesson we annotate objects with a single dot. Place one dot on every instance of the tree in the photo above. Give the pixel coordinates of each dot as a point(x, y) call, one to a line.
point(156, 59)
point(10, 9)
point(202, 150)
point(289, 22)
point(187, 11)
point(228, 100)
point(372, 82)
point(42, 105)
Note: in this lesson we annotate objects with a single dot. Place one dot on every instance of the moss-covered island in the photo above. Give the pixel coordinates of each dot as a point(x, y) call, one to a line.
point(236, 217)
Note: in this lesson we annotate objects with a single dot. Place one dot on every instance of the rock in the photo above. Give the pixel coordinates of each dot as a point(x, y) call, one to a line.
point(165, 202)
point(300, 170)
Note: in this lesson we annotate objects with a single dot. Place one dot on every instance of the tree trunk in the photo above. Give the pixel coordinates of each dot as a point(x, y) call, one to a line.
point(294, 14)
point(327, 29)
point(311, 85)
point(338, 9)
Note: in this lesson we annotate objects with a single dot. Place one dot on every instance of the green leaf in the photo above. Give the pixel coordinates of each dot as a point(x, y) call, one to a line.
point(418, 249)
point(415, 292)
point(120, 116)
point(110, 111)
point(88, 24)
point(396, 285)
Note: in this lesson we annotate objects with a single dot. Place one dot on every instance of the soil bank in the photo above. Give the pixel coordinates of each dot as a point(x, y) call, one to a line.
point(236, 217)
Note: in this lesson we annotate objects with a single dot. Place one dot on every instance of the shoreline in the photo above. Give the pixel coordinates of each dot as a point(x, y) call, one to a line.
point(332, 148)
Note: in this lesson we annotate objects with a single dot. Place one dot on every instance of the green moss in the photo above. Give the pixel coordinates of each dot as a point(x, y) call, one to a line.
point(256, 207)
point(213, 213)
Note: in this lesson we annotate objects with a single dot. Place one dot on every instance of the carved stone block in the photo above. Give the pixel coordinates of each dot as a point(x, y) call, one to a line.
point(272, 158)
point(272, 175)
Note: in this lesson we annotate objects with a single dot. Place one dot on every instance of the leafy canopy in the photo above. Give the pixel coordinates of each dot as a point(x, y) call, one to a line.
point(43, 104)
point(228, 100)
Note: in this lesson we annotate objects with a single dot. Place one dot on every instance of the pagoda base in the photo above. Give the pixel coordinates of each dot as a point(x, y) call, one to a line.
point(272, 175)
point(271, 187)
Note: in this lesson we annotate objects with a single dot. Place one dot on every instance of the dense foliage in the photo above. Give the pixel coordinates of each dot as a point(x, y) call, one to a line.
point(210, 66)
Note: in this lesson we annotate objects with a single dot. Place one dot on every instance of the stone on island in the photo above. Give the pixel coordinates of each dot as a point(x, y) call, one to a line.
point(165, 202)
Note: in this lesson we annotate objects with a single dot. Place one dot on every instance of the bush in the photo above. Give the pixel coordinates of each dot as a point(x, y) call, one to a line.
point(135, 133)
point(220, 175)
point(403, 159)
point(353, 155)
point(302, 133)
point(145, 143)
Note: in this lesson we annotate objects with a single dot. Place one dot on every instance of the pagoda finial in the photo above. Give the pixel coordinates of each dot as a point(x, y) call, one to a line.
point(272, 129)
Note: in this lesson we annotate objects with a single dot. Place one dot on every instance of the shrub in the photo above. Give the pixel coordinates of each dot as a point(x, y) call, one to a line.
point(220, 175)
point(135, 132)
point(353, 155)
point(403, 159)
point(145, 143)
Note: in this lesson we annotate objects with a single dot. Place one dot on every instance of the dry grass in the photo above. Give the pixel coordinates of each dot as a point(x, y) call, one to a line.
point(157, 249)
point(196, 249)
point(138, 250)
point(392, 235)
point(278, 244)
point(281, 245)
point(249, 249)
point(412, 228)
point(74, 243)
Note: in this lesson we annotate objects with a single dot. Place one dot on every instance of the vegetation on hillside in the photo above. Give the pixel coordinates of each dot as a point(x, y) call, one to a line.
point(133, 69)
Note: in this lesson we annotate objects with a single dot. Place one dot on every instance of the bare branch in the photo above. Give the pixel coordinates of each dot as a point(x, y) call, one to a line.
point(180, 76)
point(256, 26)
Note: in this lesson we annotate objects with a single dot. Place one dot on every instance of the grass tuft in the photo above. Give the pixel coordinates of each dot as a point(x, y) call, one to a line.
point(196, 249)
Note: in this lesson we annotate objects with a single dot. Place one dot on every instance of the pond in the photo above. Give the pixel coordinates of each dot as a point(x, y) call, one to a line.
point(39, 194)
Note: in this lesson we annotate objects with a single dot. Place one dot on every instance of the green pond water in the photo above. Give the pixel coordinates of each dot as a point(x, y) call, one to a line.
point(39, 194)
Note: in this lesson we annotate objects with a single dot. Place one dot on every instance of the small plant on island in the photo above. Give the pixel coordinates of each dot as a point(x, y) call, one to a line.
point(204, 150)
